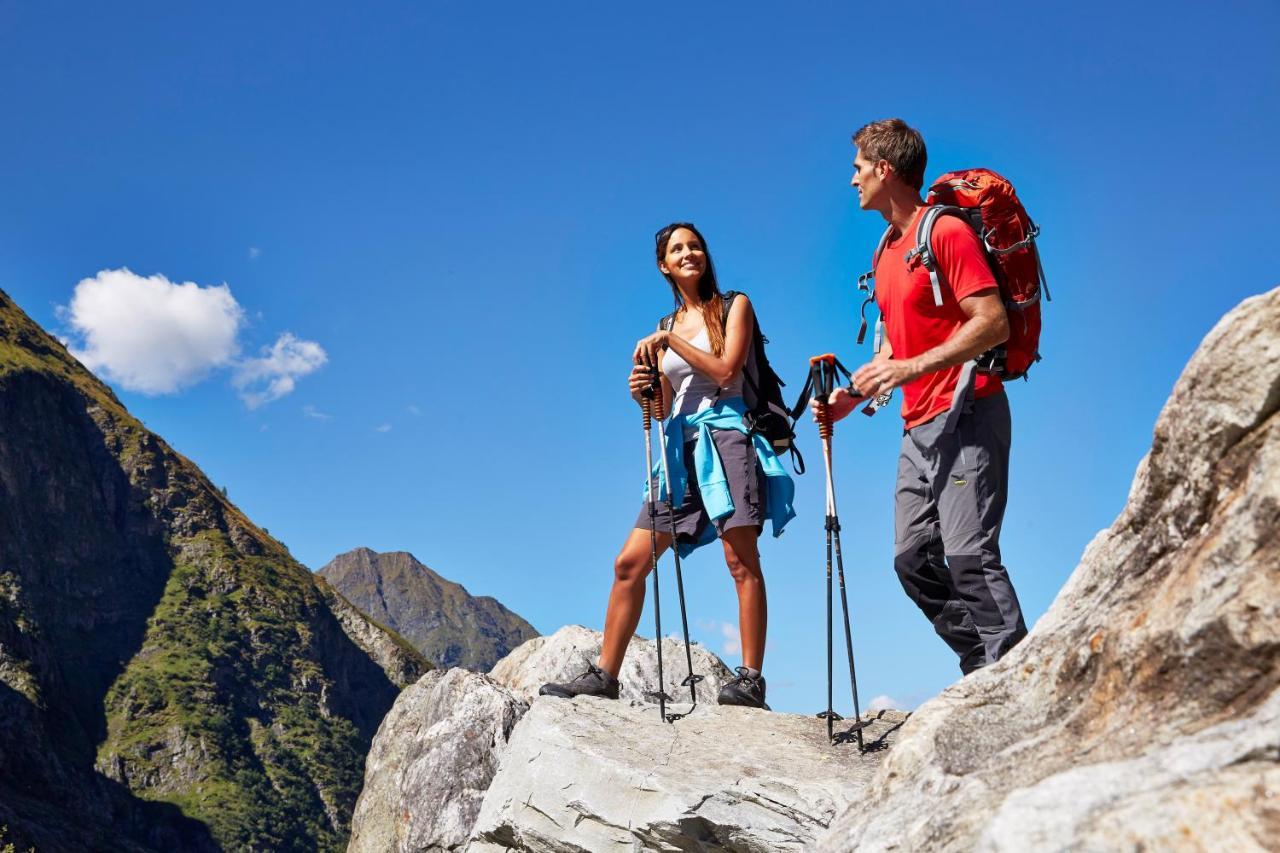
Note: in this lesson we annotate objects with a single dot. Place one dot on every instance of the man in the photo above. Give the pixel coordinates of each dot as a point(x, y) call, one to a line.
point(954, 464)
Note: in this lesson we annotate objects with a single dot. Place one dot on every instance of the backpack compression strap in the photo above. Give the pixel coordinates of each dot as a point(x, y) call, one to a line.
point(866, 285)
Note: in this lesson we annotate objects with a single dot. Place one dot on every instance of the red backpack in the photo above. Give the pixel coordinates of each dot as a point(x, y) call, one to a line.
point(989, 204)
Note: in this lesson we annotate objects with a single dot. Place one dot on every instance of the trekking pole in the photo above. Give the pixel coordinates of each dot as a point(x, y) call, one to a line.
point(823, 374)
point(647, 407)
point(692, 680)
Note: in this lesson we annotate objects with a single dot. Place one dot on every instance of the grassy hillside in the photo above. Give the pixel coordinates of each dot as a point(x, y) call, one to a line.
point(169, 674)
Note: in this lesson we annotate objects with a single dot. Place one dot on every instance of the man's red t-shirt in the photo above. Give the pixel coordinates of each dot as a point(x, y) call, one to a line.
point(915, 324)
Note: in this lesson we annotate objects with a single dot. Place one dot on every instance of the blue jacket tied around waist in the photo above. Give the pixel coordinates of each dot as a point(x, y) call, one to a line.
point(716, 499)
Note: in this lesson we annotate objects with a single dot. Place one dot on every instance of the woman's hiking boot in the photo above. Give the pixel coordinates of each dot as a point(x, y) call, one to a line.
point(594, 682)
point(746, 690)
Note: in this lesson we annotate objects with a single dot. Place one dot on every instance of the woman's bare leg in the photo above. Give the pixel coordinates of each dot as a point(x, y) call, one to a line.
point(626, 599)
point(743, 559)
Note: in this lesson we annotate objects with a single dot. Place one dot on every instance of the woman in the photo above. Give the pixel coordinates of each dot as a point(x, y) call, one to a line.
point(701, 359)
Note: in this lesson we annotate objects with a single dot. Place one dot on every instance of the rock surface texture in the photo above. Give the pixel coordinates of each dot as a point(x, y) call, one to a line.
point(447, 624)
point(595, 776)
point(565, 654)
point(1143, 712)
point(431, 763)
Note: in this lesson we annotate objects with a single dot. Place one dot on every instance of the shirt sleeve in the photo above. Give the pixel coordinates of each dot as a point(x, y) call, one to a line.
point(961, 259)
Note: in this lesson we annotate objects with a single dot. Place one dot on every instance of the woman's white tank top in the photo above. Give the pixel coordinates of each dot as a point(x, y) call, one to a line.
point(693, 390)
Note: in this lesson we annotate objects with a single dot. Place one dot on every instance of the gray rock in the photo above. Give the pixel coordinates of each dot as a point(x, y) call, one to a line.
point(1141, 712)
point(402, 663)
point(597, 775)
point(565, 654)
point(431, 762)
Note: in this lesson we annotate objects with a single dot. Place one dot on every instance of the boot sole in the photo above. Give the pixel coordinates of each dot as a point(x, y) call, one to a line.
point(744, 704)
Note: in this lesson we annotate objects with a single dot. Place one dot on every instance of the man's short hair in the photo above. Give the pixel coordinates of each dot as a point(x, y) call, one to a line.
point(892, 139)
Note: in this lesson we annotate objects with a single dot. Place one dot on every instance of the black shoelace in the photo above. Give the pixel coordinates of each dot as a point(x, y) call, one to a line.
point(746, 679)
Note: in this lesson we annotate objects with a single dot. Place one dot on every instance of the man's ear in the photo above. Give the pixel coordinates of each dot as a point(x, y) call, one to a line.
point(883, 168)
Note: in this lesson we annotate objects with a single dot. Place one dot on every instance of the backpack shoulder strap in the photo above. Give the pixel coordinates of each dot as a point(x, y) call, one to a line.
point(866, 282)
point(667, 322)
point(726, 300)
point(884, 241)
point(924, 244)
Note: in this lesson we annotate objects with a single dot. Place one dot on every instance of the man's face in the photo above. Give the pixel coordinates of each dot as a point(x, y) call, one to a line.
point(868, 181)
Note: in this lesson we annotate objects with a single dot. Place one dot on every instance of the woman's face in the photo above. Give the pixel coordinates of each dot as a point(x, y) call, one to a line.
point(685, 259)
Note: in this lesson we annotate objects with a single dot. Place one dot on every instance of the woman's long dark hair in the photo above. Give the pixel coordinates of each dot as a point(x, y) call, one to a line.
point(708, 289)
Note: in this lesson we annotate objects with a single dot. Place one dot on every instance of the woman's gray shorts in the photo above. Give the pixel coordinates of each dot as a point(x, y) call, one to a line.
point(746, 486)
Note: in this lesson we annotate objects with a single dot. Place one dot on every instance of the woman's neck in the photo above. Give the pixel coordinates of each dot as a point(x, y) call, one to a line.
point(691, 298)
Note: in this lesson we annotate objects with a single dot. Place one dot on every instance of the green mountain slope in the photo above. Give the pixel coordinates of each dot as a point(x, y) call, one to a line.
point(445, 622)
point(170, 678)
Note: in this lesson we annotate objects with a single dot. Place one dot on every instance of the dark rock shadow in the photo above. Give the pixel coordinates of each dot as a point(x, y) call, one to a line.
point(849, 736)
point(83, 564)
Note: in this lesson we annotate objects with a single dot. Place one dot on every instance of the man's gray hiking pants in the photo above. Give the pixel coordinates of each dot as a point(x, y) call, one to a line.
point(948, 508)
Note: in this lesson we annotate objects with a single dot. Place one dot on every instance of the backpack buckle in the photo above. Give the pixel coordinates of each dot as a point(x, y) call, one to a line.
point(864, 281)
point(922, 254)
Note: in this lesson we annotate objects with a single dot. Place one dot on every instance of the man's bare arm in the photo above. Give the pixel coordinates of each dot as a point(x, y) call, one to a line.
point(986, 326)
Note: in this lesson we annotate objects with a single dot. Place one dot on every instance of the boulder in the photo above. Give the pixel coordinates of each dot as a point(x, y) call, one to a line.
point(596, 775)
point(1143, 711)
point(431, 762)
point(565, 654)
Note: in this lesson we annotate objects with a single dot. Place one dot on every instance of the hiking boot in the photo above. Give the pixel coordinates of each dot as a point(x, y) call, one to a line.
point(594, 682)
point(744, 690)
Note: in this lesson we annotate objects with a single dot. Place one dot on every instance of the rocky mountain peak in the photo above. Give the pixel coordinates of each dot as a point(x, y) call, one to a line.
point(444, 622)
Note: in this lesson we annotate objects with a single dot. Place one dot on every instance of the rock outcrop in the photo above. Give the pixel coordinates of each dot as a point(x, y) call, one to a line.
point(170, 677)
point(1143, 711)
point(431, 763)
point(594, 776)
point(447, 624)
point(565, 654)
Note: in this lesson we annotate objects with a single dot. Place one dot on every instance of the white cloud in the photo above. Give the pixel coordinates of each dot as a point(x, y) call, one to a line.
point(884, 703)
point(150, 334)
point(414, 410)
point(254, 253)
point(314, 413)
point(383, 428)
point(156, 336)
point(273, 374)
point(732, 638)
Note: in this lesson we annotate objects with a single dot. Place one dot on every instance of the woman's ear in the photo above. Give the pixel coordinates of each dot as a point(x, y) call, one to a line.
point(662, 267)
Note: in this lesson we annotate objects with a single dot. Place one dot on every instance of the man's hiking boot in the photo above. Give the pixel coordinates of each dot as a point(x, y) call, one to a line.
point(746, 690)
point(594, 682)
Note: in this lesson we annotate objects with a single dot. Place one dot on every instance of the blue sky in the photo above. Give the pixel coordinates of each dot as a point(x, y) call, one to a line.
point(455, 205)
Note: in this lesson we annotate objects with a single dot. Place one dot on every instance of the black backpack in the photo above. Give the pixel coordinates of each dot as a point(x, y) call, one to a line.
point(766, 414)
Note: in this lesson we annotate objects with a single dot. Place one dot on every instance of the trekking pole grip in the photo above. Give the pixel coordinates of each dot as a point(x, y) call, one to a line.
point(822, 375)
point(651, 399)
